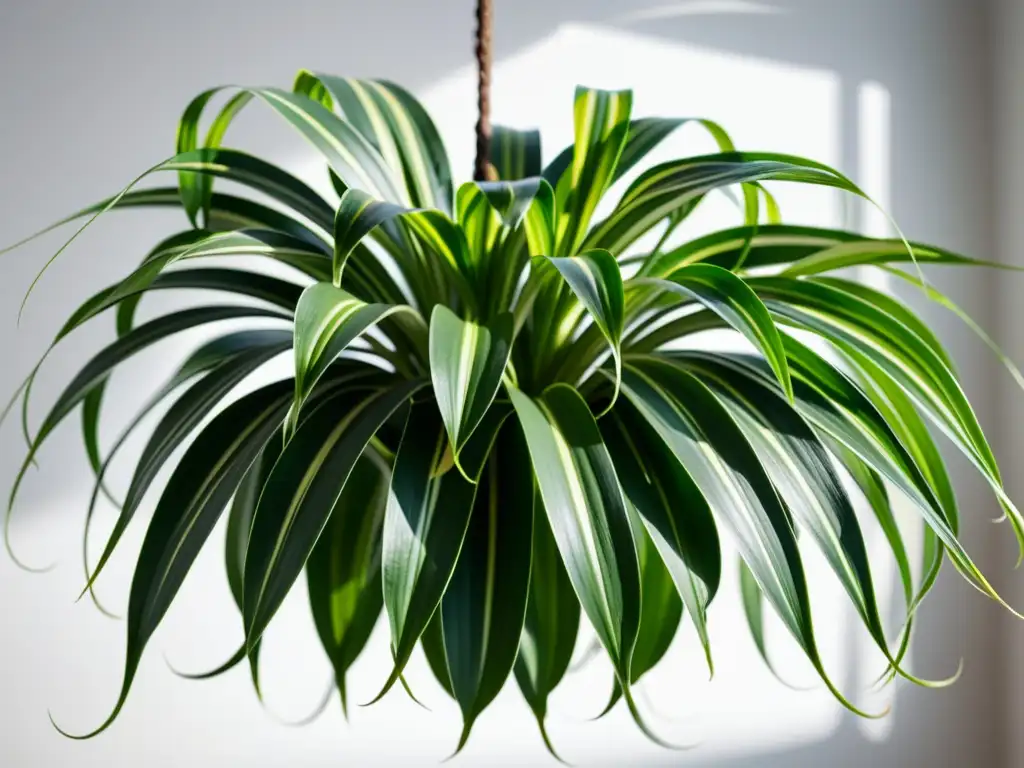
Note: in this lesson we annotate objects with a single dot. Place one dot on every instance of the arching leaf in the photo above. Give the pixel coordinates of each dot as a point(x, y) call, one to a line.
point(304, 489)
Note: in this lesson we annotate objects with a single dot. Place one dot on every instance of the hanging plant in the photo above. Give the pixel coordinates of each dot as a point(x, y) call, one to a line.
point(495, 429)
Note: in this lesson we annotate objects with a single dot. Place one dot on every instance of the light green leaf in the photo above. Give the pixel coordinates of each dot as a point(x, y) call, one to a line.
point(602, 123)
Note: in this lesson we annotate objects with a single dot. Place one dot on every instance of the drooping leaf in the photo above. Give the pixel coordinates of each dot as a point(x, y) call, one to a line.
point(343, 572)
point(189, 507)
point(687, 415)
point(731, 299)
point(661, 610)
point(802, 472)
point(552, 623)
point(672, 186)
point(303, 490)
point(588, 517)
point(428, 512)
point(674, 512)
point(234, 358)
point(99, 367)
point(484, 605)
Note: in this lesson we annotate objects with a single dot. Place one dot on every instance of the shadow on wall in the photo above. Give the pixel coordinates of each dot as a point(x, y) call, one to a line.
point(752, 65)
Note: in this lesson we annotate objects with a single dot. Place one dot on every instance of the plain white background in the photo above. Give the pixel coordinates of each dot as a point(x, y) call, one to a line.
point(919, 99)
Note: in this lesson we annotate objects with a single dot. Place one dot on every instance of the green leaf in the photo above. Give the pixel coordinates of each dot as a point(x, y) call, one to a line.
point(674, 512)
point(467, 362)
point(196, 190)
point(189, 508)
point(343, 571)
point(802, 472)
point(588, 517)
point(484, 605)
point(869, 336)
point(595, 279)
point(731, 299)
point(427, 516)
point(396, 125)
point(765, 246)
point(358, 214)
point(602, 123)
point(268, 243)
point(841, 410)
point(304, 489)
point(327, 321)
point(515, 154)
point(688, 416)
point(240, 514)
point(234, 358)
point(252, 172)
point(646, 133)
point(753, 612)
point(673, 186)
point(660, 612)
point(552, 623)
point(99, 367)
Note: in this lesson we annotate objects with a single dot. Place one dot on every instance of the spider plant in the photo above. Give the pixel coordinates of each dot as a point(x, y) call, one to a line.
point(496, 430)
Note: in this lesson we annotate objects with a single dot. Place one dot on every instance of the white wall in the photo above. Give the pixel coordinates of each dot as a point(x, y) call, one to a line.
point(91, 93)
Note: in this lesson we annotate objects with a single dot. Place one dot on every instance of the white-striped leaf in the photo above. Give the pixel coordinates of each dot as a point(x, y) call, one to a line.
point(303, 490)
point(327, 321)
point(467, 362)
point(601, 121)
point(730, 298)
point(428, 512)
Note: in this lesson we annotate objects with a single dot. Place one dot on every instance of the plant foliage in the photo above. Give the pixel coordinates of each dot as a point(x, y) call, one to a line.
point(496, 427)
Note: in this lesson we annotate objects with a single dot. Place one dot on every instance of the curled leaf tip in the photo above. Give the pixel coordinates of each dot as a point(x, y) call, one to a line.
point(318, 710)
point(84, 736)
point(231, 663)
point(20, 563)
point(384, 691)
point(410, 694)
point(463, 738)
point(547, 742)
point(627, 695)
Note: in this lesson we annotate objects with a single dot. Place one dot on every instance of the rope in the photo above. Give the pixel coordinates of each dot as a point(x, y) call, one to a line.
point(483, 170)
